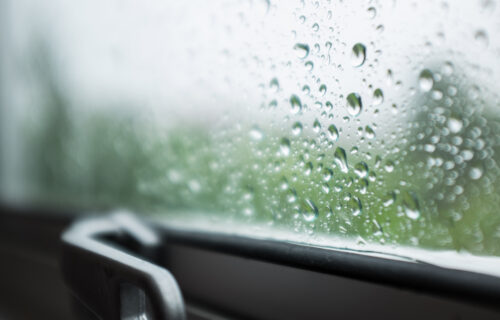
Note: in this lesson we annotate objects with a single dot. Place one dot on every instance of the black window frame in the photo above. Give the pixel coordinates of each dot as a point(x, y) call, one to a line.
point(229, 276)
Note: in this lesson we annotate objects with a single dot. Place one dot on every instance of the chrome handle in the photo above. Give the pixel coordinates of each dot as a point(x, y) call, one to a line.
point(112, 282)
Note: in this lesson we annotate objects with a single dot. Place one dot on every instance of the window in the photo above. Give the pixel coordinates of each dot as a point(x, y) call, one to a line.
point(366, 127)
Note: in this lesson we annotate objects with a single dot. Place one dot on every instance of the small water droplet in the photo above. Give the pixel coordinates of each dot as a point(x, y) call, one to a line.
point(389, 199)
point(358, 55)
point(309, 65)
point(370, 134)
point(378, 97)
point(411, 205)
point(426, 80)
point(309, 210)
point(327, 174)
point(316, 126)
point(372, 12)
point(482, 38)
point(302, 50)
point(354, 104)
point(315, 27)
point(194, 186)
point(291, 196)
point(475, 173)
point(274, 84)
point(389, 166)
point(455, 125)
point(296, 104)
point(297, 128)
point(334, 133)
point(256, 133)
point(285, 147)
point(322, 89)
point(308, 168)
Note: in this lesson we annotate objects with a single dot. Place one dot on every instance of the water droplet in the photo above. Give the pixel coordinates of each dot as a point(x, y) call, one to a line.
point(291, 196)
point(361, 169)
point(411, 205)
point(475, 173)
point(316, 126)
point(194, 186)
point(358, 55)
point(285, 147)
point(426, 80)
point(322, 89)
point(315, 27)
point(334, 133)
point(355, 206)
point(378, 97)
point(309, 210)
point(325, 188)
point(308, 168)
point(354, 104)
point(296, 104)
point(482, 38)
point(372, 12)
point(256, 134)
point(340, 159)
point(327, 174)
point(274, 84)
point(389, 199)
point(455, 125)
point(370, 134)
point(297, 128)
point(389, 166)
point(302, 50)
point(309, 65)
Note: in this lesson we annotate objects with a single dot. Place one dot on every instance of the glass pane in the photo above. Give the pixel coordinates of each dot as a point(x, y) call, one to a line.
point(369, 125)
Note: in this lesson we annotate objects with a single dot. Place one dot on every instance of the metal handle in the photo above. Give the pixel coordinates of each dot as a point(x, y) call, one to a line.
point(111, 282)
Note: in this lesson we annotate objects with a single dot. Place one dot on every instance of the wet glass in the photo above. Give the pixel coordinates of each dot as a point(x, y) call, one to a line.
point(371, 125)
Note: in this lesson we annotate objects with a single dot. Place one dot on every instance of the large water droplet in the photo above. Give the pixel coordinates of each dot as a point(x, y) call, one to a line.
point(361, 169)
point(302, 50)
point(340, 159)
point(354, 104)
point(296, 104)
point(358, 55)
point(426, 80)
point(355, 206)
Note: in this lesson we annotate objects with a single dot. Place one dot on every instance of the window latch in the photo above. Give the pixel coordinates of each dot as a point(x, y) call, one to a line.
point(105, 265)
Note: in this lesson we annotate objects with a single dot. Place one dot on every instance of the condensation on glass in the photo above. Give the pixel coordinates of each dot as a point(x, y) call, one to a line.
point(371, 124)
